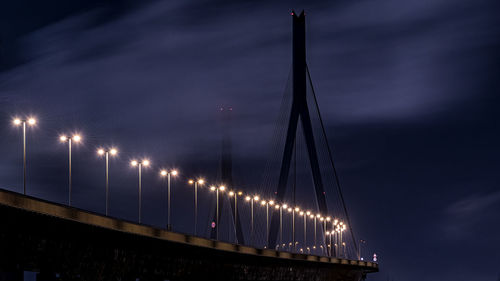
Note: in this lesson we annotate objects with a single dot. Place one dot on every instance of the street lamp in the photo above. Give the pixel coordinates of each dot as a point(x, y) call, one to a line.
point(322, 221)
point(106, 152)
point(139, 164)
point(30, 121)
point(278, 207)
point(315, 229)
point(251, 199)
point(216, 189)
point(359, 248)
point(330, 248)
point(196, 182)
point(342, 228)
point(266, 203)
point(290, 210)
point(235, 195)
point(335, 231)
point(295, 210)
point(304, 215)
point(269, 203)
point(75, 138)
point(168, 174)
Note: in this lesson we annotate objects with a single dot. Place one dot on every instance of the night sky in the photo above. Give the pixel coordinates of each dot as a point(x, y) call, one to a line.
point(408, 91)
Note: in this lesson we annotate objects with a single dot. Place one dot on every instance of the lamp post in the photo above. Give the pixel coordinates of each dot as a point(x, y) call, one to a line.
point(335, 228)
point(342, 229)
point(336, 242)
point(266, 204)
point(359, 248)
point(196, 182)
point(295, 210)
point(252, 199)
point(284, 206)
point(329, 246)
point(311, 216)
point(69, 140)
point(305, 215)
point(278, 207)
point(139, 165)
point(216, 189)
point(112, 151)
point(168, 174)
point(322, 219)
point(327, 220)
point(315, 229)
point(235, 195)
point(30, 121)
point(269, 203)
point(291, 210)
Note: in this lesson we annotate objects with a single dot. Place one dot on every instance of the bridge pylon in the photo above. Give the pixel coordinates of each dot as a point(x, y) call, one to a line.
point(299, 111)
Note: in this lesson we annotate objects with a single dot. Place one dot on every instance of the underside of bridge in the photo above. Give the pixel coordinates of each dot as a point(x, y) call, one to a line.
point(63, 243)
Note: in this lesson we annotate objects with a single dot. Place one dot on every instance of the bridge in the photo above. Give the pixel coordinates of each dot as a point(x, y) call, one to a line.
point(288, 240)
point(65, 243)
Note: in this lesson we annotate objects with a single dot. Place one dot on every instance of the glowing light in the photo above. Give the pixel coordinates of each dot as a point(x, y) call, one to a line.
point(100, 151)
point(240, 193)
point(201, 181)
point(134, 163)
point(285, 206)
point(113, 151)
point(222, 188)
point(271, 202)
point(191, 181)
point(318, 215)
point(231, 193)
point(256, 198)
point(328, 218)
point(263, 202)
point(174, 172)
point(308, 213)
point(335, 222)
point(276, 207)
point(145, 162)
point(163, 173)
point(321, 219)
point(32, 121)
point(247, 198)
point(297, 209)
point(212, 188)
point(289, 210)
point(63, 138)
point(311, 216)
point(17, 121)
point(328, 233)
point(301, 213)
point(76, 138)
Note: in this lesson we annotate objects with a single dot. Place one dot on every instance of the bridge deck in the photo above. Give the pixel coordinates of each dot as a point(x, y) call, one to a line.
point(64, 213)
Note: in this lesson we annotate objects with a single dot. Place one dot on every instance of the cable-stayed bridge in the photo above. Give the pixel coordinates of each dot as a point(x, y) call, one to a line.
point(267, 233)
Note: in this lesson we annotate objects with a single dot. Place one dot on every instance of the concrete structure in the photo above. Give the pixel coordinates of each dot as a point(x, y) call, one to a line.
point(64, 243)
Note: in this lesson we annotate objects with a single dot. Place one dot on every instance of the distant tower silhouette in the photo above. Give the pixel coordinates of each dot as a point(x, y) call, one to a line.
point(226, 171)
